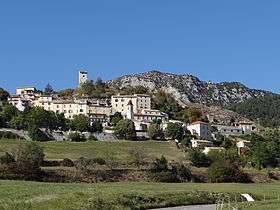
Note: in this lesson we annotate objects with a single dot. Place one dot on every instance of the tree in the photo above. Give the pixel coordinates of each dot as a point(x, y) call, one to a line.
point(2, 122)
point(220, 172)
point(193, 115)
point(154, 131)
point(262, 156)
point(138, 156)
point(166, 103)
point(116, 118)
point(36, 134)
point(87, 88)
point(19, 122)
point(96, 126)
point(76, 137)
point(80, 123)
point(174, 131)
point(66, 93)
point(48, 90)
point(30, 152)
point(39, 117)
point(125, 129)
point(9, 112)
point(198, 158)
point(4, 95)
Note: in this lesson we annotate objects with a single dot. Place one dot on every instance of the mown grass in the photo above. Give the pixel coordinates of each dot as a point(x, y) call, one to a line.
point(91, 149)
point(36, 195)
point(257, 205)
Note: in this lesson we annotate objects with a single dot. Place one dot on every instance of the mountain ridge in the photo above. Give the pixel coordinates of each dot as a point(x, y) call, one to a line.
point(189, 88)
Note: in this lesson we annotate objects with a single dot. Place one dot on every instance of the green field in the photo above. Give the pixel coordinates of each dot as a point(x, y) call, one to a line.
point(91, 149)
point(36, 195)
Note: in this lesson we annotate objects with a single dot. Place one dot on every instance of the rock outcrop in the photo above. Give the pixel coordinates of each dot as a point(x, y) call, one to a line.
point(189, 88)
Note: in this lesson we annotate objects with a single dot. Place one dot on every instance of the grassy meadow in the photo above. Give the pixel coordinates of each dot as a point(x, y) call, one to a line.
point(124, 195)
point(91, 149)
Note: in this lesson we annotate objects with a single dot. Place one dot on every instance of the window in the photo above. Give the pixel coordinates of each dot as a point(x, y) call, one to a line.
point(49, 103)
point(122, 100)
point(57, 106)
point(116, 100)
point(81, 110)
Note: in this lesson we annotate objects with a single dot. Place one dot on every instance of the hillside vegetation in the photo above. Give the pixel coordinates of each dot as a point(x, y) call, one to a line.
point(265, 109)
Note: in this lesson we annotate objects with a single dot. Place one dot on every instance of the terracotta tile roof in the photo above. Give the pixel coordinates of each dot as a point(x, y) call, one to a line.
point(214, 148)
point(202, 141)
point(199, 122)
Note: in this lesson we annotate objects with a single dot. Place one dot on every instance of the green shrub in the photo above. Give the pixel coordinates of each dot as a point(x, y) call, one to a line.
point(198, 158)
point(164, 176)
point(220, 172)
point(226, 172)
point(76, 137)
point(7, 159)
point(9, 135)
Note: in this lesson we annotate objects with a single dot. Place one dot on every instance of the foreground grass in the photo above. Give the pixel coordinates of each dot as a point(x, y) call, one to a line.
point(257, 205)
point(90, 149)
point(36, 195)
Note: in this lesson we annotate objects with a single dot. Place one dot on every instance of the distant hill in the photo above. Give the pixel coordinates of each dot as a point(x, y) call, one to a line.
point(266, 110)
point(189, 88)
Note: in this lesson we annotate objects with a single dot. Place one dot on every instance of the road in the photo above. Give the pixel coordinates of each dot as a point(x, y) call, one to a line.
point(195, 207)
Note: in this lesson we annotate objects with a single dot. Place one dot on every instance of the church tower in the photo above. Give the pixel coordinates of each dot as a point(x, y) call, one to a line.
point(129, 113)
point(83, 77)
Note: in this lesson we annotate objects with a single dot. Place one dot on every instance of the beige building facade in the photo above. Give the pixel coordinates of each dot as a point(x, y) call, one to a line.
point(139, 101)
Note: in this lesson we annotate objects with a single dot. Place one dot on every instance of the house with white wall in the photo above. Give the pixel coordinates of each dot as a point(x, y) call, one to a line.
point(201, 129)
point(201, 143)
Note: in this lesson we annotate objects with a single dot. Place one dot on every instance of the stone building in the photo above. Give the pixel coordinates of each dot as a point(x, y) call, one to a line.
point(83, 78)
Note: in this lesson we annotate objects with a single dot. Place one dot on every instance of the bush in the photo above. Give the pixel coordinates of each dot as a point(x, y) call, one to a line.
point(26, 169)
point(160, 164)
point(29, 152)
point(37, 135)
point(164, 176)
point(161, 173)
point(76, 137)
point(9, 135)
point(183, 173)
point(137, 156)
point(99, 161)
point(125, 129)
point(220, 172)
point(66, 162)
point(198, 158)
point(226, 172)
point(7, 159)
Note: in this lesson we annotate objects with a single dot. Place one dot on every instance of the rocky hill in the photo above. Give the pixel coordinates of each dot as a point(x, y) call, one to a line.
point(189, 88)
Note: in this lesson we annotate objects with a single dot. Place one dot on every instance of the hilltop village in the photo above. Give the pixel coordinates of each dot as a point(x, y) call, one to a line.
point(135, 107)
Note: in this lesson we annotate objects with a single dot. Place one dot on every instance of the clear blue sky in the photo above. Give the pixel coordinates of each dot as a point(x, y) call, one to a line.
point(49, 41)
